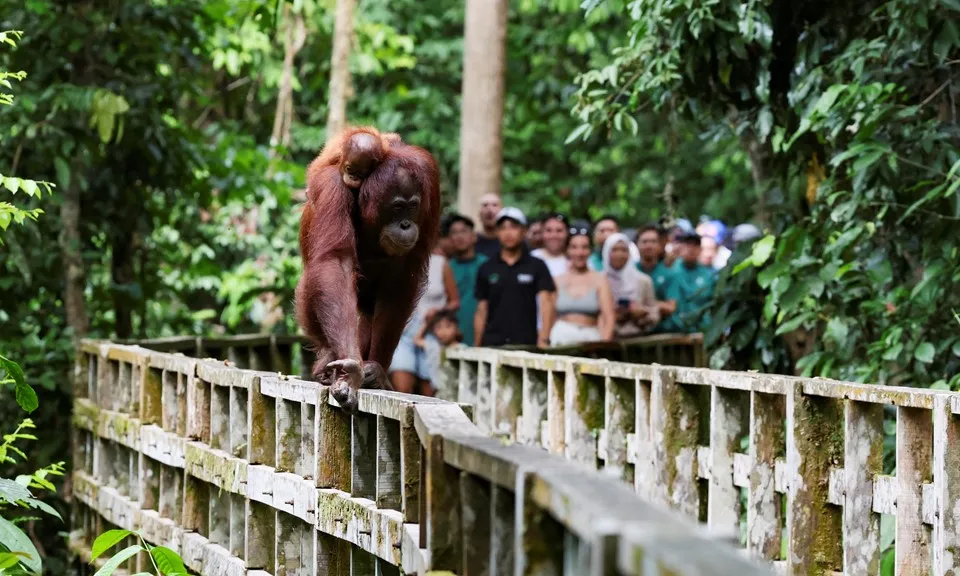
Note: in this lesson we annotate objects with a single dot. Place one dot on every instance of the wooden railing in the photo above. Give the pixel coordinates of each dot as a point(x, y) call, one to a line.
point(247, 471)
point(795, 465)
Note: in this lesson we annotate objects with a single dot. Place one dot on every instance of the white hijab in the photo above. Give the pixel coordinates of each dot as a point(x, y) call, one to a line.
point(624, 283)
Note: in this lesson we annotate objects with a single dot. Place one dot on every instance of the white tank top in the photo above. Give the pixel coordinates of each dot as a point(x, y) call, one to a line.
point(434, 294)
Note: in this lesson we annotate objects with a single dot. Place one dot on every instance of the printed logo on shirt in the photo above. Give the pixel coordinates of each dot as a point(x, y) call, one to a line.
point(659, 279)
point(525, 278)
point(494, 278)
point(699, 281)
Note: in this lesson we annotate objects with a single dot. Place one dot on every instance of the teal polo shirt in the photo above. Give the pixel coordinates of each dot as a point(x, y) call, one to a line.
point(695, 289)
point(465, 275)
point(662, 278)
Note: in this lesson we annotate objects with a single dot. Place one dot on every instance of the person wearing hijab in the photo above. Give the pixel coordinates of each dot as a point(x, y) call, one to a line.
point(633, 294)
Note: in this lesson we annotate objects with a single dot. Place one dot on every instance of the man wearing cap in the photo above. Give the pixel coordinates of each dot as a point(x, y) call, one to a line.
point(695, 284)
point(465, 264)
point(509, 287)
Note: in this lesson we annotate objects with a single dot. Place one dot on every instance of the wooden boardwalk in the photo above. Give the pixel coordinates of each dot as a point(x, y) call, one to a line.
point(795, 465)
point(246, 471)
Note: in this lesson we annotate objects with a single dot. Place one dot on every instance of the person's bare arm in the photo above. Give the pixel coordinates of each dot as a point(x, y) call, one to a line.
point(450, 287)
point(548, 313)
point(607, 319)
point(479, 322)
point(421, 339)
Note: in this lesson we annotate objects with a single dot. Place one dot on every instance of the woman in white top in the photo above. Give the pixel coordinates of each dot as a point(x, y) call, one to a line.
point(554, 251)
point(410, 370)
point(584, 303)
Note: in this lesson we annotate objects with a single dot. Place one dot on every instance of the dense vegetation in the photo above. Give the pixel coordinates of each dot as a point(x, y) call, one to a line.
point(178, 162)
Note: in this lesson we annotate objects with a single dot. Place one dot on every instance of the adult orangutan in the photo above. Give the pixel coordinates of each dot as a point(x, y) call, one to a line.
point(371, 218)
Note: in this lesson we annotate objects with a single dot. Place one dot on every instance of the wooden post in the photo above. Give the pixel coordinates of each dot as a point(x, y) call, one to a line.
point(767, 443)
point(862, 463)
point(814, 446)
point(914, 467)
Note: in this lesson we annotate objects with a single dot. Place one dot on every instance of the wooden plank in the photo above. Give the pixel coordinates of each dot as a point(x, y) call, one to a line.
point(814, 446)
point(538, 536)
point(262, 422)
point(288, 435)
point(219, 516)
point(484, 414)
point(289, 535)
point(238, 525)
point(476, 529)
point(196, 506)
point(502, 530)
point(728, 423)
point(410, 473)
point(307, 460)
point(640, 451)
point(534, 406)
point(388, 472)
point(260, 536)
point(151, 396)
point(619, 421)
point(507, 389)
point(333, 556)
point(914, 467)
point(675, 426)
point(584, 416)
point(467, 381)
point(239, 424)
point(946, 488)
point(198, 408)
point(219, 417)
point(443, 521)
point(556, 442)
point(363, 457)
point(863, 461)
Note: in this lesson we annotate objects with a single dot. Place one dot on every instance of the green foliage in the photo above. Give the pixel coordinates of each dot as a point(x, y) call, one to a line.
point(165, 561)
point(848, 113)
point(18, 554)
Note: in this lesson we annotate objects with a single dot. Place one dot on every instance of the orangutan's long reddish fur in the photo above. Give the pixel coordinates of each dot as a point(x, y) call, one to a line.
point(353, 300)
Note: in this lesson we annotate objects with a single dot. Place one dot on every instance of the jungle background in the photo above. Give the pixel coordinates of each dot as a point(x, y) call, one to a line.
point(175, 136)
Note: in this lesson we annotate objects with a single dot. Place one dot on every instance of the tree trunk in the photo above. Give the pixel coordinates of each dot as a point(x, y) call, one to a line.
point(73, 269)
point(481, 111)
point(340, 68)
point(121, 272)
point(296, 35)
point(758, 154)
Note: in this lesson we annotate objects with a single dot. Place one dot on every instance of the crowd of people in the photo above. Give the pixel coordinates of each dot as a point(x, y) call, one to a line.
point(554, 281)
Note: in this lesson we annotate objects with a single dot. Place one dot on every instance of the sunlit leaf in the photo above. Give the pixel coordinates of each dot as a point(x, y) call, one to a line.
point(106, 541)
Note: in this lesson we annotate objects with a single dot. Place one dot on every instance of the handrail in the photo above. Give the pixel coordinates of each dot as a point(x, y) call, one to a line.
point(729, 448)
point(251, 472)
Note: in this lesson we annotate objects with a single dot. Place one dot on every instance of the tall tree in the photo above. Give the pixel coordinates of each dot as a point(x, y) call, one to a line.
point(340, 67)
point(481, 113)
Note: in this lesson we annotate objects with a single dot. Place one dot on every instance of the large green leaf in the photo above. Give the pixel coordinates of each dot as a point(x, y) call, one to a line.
point(11, 491)
point(168, 561)
point(117, 559)
point(15, 540)
point(925, 353)
point(106, 541)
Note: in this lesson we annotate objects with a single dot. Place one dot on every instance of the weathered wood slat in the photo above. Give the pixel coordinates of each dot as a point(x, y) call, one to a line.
point(863, 462)
point(914, 467)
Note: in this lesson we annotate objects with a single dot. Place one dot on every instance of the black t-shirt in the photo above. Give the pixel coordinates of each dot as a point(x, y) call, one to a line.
point(489, 246)
point(511, 295)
